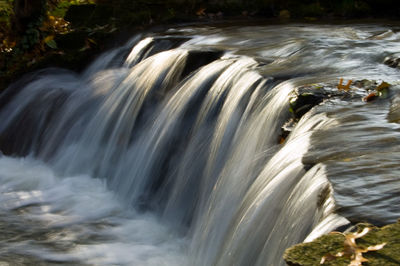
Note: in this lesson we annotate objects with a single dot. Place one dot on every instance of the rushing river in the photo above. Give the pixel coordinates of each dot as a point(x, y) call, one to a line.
point(165, 150)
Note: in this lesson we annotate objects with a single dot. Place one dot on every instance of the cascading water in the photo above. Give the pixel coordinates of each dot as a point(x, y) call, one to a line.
point(165, 151)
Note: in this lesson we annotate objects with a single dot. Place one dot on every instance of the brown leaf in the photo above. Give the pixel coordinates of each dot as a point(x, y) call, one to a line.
point(382, 86)
point(351, 250)
point(370, 97)
point(346, 87)
point(201, 12)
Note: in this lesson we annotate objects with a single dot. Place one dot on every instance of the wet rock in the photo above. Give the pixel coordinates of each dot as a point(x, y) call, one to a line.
point(365, 84)
point(197, 59)
point(301, 100)
point(306, 97)
point(164, 43)
point(392, 60)
point(368, 244)
point(379, 91)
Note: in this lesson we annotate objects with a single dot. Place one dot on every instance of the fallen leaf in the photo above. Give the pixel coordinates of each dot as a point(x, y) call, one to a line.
point(48, 38)
point(351, 250)
point(370, 97)
point(382, 86)
point(201, 12)
point(346, 87)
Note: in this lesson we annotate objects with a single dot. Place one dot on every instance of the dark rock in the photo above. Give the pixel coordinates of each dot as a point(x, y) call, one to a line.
point(301, 100)
point(306, 97)
point(165, 43)
point(392, 60)
point(197, 59)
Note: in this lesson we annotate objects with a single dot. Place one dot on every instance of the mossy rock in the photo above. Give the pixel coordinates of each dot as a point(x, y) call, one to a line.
point(307, 254)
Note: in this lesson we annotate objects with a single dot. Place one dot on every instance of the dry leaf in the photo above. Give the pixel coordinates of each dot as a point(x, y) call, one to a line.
point(382, 86)
point(201, 12)
point(370, 97)
point(346, 87)
point(351, 250)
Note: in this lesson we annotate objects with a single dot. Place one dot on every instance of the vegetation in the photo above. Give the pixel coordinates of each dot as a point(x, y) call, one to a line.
point(28, 29)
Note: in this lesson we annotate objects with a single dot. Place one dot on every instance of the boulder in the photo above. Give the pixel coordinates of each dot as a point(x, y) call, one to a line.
point(379, 246)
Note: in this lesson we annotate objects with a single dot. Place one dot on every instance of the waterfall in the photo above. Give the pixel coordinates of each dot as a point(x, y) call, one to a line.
point(193, 144)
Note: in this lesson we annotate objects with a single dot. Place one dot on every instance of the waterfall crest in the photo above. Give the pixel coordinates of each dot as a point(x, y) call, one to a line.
point(194, 144)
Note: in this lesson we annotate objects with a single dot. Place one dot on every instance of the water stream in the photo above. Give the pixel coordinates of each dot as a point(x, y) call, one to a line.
point(165, 150)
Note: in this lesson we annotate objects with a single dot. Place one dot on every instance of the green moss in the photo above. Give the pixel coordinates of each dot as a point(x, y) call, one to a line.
point(390, 254)
point(307, 254)
point(311, 253)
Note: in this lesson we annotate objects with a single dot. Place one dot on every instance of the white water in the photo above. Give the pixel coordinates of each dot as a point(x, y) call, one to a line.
point(76, 219)
point(132, 163)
